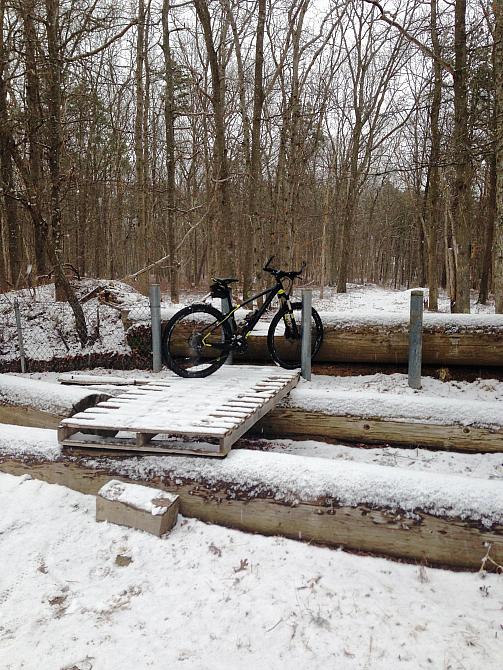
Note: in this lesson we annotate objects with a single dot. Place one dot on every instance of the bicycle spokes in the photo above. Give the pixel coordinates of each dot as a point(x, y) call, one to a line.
point(196, 345)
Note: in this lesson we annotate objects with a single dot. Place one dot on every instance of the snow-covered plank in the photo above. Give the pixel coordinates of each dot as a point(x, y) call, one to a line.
point(193, 408)
point(79, 379)
point(420, 516)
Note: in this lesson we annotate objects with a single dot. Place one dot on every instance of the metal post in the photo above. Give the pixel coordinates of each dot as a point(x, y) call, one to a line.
point(305, 357)
point(155, 320)
point(20, 335)
point(415, 338)
point(225, 307)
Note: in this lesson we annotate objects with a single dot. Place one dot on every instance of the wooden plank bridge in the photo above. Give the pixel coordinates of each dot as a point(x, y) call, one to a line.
point(208, 414)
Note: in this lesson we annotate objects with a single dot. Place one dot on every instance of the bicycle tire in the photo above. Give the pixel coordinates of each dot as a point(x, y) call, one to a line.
point(287, 353)
point(178, 348)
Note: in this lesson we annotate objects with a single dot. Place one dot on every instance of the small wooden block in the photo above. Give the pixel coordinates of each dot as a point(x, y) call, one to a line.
point(142, 507)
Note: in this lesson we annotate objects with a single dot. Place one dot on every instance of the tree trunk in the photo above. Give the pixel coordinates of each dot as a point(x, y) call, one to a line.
point(225, 233)
point(489, 234)
point(34, 119)
point(498, 224)
point(433, 213)
point(169, 122)
point(6, 164)
point(251, 254)
point(463, 177)
point(139, 149)
point(54, 107)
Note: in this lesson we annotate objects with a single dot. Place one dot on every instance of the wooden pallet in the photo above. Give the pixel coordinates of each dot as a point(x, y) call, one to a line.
point(148, 418)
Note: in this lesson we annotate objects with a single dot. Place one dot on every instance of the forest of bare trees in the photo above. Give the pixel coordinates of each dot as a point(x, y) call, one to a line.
point(195, 137)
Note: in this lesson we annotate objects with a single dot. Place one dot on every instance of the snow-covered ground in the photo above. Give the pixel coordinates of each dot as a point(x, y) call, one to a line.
point(49, 327)
point(484, 466)
point(80, 595)
point(363, 297)
point(357, 298)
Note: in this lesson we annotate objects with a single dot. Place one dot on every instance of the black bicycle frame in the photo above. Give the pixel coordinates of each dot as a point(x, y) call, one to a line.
point(250, 324)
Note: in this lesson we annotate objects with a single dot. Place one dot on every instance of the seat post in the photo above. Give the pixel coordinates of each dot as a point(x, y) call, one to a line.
point(226, 305)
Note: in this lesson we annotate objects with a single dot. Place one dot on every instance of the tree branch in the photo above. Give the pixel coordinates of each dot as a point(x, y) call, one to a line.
point(403, 31)
point(102, 47)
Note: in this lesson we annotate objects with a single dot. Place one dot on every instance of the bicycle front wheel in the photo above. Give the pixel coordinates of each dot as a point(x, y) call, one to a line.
point(196, 341)
point(284, 339)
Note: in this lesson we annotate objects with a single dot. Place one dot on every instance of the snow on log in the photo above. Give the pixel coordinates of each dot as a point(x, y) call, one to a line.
point(338, 409)
point(376, 337)
point(420, 516)
point(298, 423)
point(32, 402)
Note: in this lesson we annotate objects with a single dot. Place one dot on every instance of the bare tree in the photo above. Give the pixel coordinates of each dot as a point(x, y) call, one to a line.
point(498, 228)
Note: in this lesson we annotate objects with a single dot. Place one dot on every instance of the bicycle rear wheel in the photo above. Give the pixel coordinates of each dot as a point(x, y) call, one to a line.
point(284, 339)
point(196, 341)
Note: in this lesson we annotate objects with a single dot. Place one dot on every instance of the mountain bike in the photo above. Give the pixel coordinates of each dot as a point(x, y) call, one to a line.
point(198, 339)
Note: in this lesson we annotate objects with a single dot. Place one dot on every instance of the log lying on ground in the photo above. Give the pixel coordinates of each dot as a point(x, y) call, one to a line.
point(30, 402)
point(297, 423)
point(438, 519)
point(448, 339)
point(323, 410)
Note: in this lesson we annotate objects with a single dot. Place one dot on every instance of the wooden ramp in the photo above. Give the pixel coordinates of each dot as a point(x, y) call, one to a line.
point(154, 417)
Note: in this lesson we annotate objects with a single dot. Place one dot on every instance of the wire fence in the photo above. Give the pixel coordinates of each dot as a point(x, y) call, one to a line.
point(41, 335)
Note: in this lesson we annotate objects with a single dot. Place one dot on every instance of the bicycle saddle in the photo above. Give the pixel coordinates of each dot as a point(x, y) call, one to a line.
point(225, 280)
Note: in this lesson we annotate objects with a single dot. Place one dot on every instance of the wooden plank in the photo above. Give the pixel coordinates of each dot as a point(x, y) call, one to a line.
point(124, 445)
point(192, 431)
point(299, 423)
point(99, 380)
point(426, 539)
point(245, 425)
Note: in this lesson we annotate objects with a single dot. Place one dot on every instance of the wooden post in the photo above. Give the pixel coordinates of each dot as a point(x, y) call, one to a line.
point(305, 357)
point(155, 320)
point(415, 338)
point(20, 335)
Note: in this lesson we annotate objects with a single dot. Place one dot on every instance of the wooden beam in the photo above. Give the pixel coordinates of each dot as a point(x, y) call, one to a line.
point(426, 539)
point(302, 424)
point(28, 416)
point(389, 345)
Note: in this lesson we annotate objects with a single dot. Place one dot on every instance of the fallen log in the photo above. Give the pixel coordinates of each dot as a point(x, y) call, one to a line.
point(326, 409)
point(298, 423)
point(440, 520)
point(30, 402)
point(448, 340)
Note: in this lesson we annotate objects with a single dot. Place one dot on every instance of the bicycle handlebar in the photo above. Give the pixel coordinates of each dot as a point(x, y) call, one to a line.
point(279, 274)
point(266, 266)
